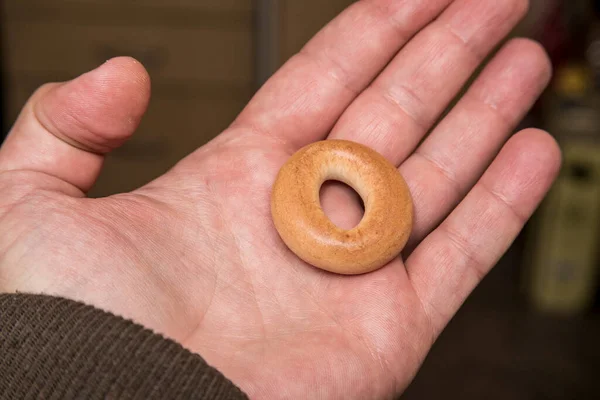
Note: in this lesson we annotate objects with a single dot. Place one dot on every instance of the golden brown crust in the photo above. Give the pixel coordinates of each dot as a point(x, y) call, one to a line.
point(310, 234)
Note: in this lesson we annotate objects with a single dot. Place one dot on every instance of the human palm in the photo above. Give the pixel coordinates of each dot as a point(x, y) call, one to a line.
point(194, 254)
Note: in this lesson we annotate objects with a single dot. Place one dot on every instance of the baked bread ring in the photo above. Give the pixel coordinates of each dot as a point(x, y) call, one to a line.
point(303, 226)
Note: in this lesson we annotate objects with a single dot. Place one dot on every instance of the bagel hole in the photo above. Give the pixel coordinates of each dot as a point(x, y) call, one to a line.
point(341, 203)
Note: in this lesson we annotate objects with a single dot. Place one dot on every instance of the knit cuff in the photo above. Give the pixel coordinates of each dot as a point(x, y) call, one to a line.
point(55, 348)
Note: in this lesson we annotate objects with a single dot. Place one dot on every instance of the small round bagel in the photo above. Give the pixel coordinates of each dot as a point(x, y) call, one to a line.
point(303, 226)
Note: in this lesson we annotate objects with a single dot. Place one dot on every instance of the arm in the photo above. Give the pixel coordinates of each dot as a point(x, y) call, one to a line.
point(57, 348)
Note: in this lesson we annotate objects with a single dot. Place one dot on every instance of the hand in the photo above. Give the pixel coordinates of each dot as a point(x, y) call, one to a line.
point(194, 255)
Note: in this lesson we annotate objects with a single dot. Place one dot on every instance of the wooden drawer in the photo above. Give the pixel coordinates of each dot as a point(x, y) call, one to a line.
point(179, 54)
point(177, 116)
point(179, 120)
point(228, 15)
point(172, 129)
point(211, 5)
point(176, 124)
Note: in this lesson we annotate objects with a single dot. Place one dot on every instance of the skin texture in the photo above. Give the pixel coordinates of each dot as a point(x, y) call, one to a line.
point(194, 254)
point(309, 233)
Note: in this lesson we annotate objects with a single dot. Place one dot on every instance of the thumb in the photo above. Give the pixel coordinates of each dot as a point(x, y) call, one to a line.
point(66, 129)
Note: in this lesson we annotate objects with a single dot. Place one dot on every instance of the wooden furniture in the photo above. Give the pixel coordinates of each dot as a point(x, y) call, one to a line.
point(201, 56)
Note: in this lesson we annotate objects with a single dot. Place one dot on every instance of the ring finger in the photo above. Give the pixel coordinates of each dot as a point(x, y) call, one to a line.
point(394, 113)
point(449, 162)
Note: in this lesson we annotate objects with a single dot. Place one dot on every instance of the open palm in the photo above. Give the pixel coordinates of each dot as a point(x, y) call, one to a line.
point(194, 254)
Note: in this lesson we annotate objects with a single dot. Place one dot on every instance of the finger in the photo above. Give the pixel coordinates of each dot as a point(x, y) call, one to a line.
point(454, 258)
point(403, 103)
point(449, 162)
point(302, 101)
point(66, 129)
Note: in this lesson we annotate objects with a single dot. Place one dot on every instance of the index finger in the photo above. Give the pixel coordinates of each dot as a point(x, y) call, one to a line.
point(302, 101)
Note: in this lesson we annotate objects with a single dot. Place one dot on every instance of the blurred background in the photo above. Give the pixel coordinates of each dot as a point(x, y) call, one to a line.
point(530, 331)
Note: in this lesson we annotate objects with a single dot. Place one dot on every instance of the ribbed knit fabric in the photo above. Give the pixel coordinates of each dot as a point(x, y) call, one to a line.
point(54, 348)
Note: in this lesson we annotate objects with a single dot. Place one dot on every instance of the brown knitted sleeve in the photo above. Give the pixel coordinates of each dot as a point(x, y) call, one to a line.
point(54, 348)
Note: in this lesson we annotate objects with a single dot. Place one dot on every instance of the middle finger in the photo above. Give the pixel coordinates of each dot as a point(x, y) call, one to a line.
point(401, 105)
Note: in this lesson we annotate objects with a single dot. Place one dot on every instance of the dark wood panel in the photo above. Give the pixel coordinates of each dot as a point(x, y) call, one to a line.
point(193, 54)
point(301, 20)
point(234, 15)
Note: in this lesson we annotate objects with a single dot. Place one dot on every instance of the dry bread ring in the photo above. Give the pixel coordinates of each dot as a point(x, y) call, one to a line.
point(311, 235)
